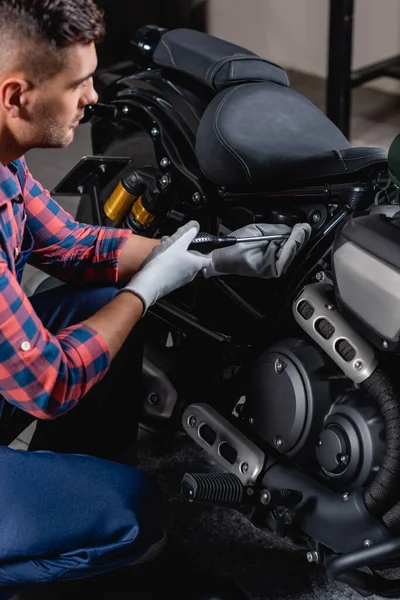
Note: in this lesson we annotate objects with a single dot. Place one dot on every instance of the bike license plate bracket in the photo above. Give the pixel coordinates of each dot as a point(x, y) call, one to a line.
point(89, 176)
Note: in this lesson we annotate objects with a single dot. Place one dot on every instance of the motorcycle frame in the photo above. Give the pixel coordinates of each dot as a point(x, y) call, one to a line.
point(161, 103)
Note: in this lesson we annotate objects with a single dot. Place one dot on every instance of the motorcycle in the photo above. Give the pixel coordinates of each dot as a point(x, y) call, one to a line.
point(290, 384)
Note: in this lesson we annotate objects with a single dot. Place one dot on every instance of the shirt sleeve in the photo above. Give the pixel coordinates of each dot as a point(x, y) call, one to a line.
point(42, 374)
point(64, 248)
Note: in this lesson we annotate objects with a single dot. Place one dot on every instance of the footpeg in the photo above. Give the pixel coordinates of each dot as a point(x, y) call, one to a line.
point(227, 489)
point(220, 488)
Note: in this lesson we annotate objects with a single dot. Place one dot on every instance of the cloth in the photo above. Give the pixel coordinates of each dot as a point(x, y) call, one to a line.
point(42, 373)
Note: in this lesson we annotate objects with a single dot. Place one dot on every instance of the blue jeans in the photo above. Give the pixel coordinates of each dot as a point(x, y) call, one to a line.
point(68, 508)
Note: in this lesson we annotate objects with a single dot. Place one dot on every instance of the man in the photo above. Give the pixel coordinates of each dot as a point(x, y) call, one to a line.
point(68, 356)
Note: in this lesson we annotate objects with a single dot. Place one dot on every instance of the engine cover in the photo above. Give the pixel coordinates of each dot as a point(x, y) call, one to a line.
point(297, 402)
point(288, 397)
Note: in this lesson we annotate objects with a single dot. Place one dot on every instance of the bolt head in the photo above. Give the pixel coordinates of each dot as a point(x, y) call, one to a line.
point(385, 344)
point(344, 459)
point(192, 421)
point(154, 399)
point(251, 420)
point(244, 467)
point(264, 497)
point(312, 557)
point(279, 366)
point(196, 198)
point(164, 162)
point(345, 496)
point(278, 442)
point(320, 276)
point(125, 110)
point(154, 132)
point(358, 365)
point(368, 543)
point(316, 217)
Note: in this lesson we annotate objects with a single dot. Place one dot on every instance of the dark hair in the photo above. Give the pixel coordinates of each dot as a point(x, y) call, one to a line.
point(50, 24)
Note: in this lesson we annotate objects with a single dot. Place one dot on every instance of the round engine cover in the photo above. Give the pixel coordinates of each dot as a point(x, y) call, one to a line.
point(287, 399)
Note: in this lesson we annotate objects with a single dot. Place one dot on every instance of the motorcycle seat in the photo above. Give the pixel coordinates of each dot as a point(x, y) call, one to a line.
point(215, 62)
point(264, 134)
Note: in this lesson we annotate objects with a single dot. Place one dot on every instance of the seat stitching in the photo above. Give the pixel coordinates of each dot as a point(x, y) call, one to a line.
point(169, 51)
point(232, 70)
point(226, 59)
point(364, 156)
point(340, 173)
point(215, 65)
point(224, 142)
point(341, 158)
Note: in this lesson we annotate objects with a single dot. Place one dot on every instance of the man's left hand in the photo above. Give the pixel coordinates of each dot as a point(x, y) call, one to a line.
point(264, 259)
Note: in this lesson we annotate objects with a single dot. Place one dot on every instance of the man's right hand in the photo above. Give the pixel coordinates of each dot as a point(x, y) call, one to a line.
point(168, 267)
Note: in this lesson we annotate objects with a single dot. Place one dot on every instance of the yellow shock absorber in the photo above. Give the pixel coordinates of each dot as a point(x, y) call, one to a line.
point(140, 214)
point(119, 203)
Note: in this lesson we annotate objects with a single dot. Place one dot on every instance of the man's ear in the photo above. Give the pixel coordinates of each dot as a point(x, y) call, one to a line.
point(14, 96)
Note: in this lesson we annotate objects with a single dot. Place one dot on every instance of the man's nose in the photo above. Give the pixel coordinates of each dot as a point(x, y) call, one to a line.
point(90, 97)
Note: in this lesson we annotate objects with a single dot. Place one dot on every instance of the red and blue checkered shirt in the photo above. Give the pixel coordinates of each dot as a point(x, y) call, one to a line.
point(43, 374)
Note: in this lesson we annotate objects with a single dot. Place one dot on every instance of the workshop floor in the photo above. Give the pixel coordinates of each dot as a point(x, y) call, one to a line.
point(375, 122)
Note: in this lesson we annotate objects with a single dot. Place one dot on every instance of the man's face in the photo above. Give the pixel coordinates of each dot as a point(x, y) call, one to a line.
point(52, 110)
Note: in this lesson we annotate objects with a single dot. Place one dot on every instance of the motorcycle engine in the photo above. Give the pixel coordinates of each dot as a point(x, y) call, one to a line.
point(299, 403)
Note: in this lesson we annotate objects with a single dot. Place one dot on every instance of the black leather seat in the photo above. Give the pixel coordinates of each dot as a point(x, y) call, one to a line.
point(215, 62)
point(264, 134)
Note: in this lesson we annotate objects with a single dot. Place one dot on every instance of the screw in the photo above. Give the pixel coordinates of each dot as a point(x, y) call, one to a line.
point(164, 180)
point(385, 344)
point(250, 491)
point(154, 132)
point(345, 496)
point(312, 557)
point(154, 399)
point(279, 366)
point(244, 467)
point(368, 543)
point(81, 189)
point(192, 421)
point(320, 276)
point(358, 365)
point(164, 162)
point(125, 110)
point(196, 198)
point(316, 217)
point(278, 442)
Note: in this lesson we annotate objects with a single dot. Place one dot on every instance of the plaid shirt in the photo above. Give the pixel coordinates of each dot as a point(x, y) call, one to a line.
point(43, 374)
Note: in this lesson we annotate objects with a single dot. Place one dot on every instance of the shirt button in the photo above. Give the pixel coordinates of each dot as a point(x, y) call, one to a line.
point(25, 346)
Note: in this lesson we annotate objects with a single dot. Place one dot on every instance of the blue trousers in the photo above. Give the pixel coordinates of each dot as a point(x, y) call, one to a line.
point(69, 508)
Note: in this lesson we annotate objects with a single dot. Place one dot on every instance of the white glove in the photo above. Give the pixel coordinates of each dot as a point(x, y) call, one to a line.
point(169, 266)
point(265, 259)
